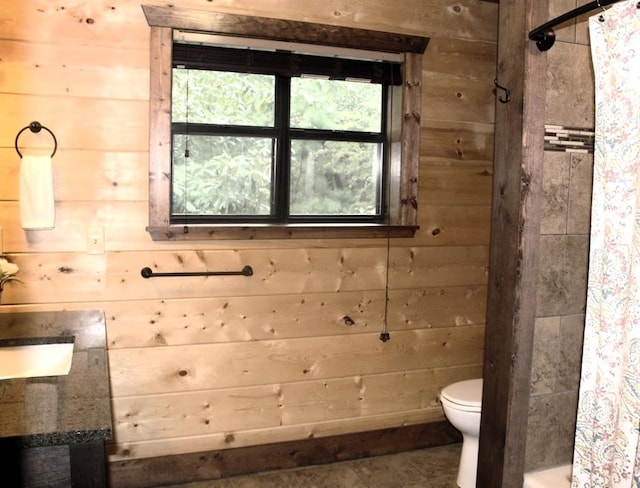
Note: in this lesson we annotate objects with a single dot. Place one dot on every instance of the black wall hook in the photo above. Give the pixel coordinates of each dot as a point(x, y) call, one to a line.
point(507, 93)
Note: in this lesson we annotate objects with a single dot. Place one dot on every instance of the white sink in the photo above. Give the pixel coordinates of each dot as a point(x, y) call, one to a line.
point(33, 360)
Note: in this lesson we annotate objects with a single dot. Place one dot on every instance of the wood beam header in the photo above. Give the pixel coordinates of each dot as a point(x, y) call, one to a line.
point(273, 29)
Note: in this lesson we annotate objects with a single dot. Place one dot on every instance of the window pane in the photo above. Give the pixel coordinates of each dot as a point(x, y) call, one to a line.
point(222, 176)
point(335, 178)
point(335, 105)
point(216, 97)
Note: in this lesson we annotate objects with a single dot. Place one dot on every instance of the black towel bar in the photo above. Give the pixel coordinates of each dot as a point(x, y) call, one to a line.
point(246, 271)
point(36, 127)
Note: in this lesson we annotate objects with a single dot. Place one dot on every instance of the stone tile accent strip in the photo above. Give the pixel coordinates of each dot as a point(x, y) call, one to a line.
point(568, 139)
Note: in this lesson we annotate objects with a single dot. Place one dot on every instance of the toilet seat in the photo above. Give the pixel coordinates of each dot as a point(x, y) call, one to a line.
point(464, 395)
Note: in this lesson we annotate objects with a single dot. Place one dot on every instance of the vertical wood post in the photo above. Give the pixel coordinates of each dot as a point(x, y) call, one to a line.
point(515, 236)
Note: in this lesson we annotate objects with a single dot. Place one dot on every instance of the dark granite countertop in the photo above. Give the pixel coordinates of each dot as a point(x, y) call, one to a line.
point(55, 410)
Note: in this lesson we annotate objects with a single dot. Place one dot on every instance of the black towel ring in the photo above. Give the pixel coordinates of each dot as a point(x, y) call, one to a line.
point(36, 127)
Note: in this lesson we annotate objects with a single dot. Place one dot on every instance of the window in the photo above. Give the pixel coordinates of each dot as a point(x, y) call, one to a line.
point(260, 136)
point(263, 143)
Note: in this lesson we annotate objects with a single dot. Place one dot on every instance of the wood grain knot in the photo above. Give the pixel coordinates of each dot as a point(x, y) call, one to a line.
point(348, 320)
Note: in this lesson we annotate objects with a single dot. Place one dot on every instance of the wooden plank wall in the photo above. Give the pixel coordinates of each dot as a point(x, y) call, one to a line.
point(293, 352)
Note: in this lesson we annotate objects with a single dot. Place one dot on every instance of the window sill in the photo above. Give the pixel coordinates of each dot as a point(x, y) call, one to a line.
point(298, 231)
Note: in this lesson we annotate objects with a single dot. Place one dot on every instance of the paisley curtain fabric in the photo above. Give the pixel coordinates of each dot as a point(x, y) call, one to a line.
point(607, 443)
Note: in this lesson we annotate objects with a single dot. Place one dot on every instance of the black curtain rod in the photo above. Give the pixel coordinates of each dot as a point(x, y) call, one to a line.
point(545, 36)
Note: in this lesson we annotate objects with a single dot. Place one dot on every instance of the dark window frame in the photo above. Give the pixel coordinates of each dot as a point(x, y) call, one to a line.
point(401, 200)
point(284, 67)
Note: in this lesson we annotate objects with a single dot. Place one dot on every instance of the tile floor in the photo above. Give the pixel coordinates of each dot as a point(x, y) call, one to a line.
point(435, 467)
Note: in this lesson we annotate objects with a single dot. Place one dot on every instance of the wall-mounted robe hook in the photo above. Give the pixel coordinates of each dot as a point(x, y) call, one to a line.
point(507, 93)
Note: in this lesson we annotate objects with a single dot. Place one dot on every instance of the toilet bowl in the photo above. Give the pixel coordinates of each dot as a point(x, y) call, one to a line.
point(462, 404)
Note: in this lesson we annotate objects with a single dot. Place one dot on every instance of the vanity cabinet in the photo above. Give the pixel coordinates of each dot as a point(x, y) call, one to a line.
point(53, 428)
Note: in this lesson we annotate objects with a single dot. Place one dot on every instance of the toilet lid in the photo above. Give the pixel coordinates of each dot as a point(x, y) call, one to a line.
point(468, 393)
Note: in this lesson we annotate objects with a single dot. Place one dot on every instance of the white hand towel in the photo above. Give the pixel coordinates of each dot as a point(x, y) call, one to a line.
point(37, 203)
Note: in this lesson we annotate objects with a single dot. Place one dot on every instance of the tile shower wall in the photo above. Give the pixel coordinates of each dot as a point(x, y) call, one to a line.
point(564, 247)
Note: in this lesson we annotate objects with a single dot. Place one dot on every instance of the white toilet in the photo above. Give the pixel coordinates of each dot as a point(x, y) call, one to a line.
point(462, 403)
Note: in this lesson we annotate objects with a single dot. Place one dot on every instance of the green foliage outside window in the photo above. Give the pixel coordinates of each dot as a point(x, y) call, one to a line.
point(232, 174)
point(218, 97)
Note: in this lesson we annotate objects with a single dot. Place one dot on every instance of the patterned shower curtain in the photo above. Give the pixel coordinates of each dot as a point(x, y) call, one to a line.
point(607, 443)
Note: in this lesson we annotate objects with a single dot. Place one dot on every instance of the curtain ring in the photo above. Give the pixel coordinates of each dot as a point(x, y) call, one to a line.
point(601, 16)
